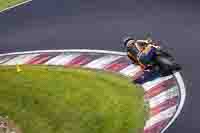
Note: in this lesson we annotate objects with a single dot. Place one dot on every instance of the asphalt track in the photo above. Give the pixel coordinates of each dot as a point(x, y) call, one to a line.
point(93, 24)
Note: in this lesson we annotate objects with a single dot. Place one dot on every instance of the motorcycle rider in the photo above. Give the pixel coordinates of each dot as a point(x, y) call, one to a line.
point(141, 52)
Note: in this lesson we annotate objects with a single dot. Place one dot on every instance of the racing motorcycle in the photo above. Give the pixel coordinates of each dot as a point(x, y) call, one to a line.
point(162, 62)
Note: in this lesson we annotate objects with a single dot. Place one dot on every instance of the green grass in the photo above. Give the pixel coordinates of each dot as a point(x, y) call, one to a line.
point(58, 100)
point(8, 3)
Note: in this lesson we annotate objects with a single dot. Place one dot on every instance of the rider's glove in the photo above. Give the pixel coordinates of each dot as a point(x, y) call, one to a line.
point(155, 46)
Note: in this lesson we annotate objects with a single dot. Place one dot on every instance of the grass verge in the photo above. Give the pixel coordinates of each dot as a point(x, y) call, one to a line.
point(57, 100)
point(9, 3)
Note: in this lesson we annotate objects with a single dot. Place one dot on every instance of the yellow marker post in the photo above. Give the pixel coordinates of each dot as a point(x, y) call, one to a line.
point(18, 68)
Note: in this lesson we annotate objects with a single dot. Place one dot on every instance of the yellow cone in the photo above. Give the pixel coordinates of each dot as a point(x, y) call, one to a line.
point(18, 68)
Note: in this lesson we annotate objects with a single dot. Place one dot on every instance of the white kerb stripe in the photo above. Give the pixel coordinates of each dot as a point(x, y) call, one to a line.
point(102, 62)
point(62, 59)
point(148, 85)
point(54, 60)
point(130, 70)
point(160, 117)
point(21, 59)
point(162, 97)
point(4, 59)
point(70, 58)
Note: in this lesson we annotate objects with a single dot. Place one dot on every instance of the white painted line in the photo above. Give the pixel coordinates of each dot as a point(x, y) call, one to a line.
point(67, 50)
point(182, 100)
point(11, 7)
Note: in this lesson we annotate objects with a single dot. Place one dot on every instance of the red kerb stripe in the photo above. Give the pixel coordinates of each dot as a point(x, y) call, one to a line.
point(40, 59)
point(78, 61)
point(117, 65)
point(160, 88)
point(164, 106)
point(156, 128)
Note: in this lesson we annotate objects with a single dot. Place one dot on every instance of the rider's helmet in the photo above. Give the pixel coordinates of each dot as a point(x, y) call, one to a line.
point(126, 41)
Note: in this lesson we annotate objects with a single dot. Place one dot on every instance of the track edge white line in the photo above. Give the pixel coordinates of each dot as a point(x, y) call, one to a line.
point(182, 89)
point(14, 6)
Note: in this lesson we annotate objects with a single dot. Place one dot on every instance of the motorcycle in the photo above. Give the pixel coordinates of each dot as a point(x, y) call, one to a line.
point(162, 62)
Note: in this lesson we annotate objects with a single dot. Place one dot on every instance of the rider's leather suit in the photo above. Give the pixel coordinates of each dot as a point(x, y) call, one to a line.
point(142, 58)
